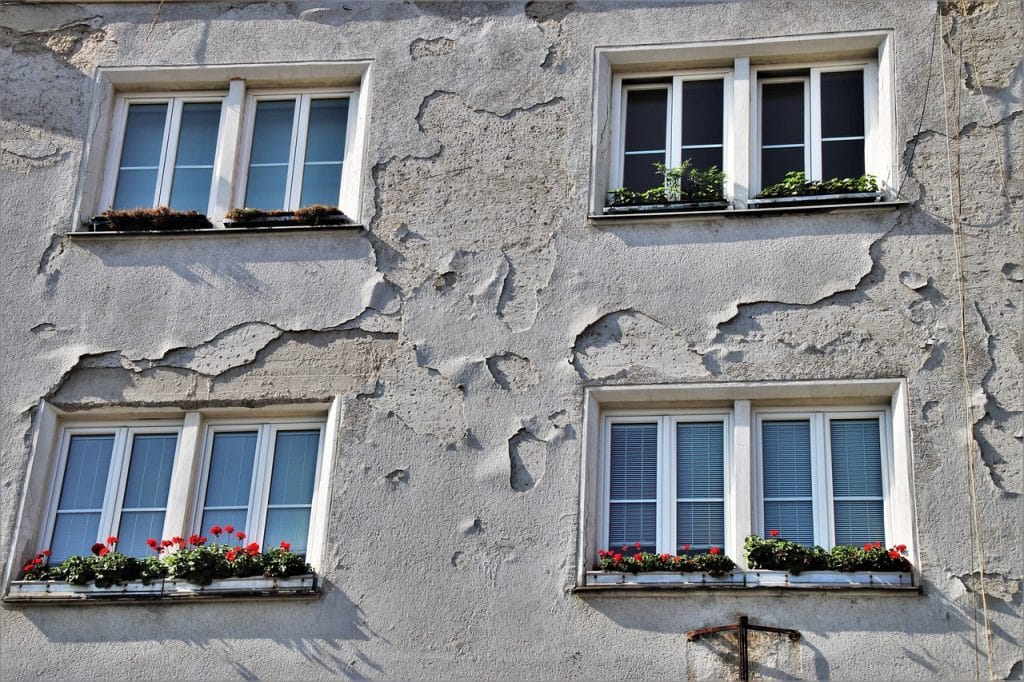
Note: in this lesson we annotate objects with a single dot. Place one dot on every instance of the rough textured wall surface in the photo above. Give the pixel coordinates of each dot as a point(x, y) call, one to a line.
point(462, 326)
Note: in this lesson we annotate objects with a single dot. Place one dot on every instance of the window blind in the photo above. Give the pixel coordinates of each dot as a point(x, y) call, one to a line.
point(633, 497)
point(700, 485)
point(857, 481)
point(788, 491)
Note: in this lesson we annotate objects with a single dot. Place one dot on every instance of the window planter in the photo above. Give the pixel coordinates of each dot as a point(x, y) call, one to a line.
point(50, 591)
point(150, 220)
point(678, 206)
point(661, 578)
point(755, 578)
point(288, 219)
point(832, 578)
point(817, 199)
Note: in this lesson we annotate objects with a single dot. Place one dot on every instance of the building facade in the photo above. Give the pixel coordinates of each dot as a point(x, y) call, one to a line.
point(451, 402)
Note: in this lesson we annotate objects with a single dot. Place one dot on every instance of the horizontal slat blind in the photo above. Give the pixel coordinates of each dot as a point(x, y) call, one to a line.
point(633, 498)
point(786, 466)
point(857, 481)
point(700, 484)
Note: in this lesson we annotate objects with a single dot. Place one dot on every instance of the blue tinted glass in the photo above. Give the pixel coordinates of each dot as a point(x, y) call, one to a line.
point(225, 517)
point(294, 468)
point(149, 472)
point(265, 187)
point(197, 139)
point(272, 132)
point(136, 188)
point(73, 534)
point(137, 527)
point(85, 474)
point(231, 463)
point(328, 121)
point(290, 525)
point(321, 184)
point(143, 135)
point(190, 189)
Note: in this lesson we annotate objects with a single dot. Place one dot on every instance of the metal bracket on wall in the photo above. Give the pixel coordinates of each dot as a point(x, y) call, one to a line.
point(741, 627)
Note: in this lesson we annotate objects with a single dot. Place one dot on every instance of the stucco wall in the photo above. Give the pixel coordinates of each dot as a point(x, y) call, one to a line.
point(463, 325)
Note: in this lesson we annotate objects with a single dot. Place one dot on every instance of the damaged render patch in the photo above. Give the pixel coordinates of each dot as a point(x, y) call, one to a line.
point(527, 456)
point(430, 47)
point(997, 585)
point(512, 372)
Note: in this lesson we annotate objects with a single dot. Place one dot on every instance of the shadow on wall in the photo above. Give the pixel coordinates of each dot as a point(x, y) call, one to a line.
point(315, 630)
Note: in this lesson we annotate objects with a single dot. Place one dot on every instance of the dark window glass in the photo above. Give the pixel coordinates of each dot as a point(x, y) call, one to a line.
point(842, 159)
point(775, 163)
point(782, 113)
point(702, 112)
point(646, 112)
point(638, 172)
point(842, 104)
point(704, 158)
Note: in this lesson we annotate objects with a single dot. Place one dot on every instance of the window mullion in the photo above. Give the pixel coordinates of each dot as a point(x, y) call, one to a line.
point(187, 488)
point(812, 125)
point(667, 496)
point(227, 173)
point(674, 134)
point(163, 173)
point(821, 488)
point(170, 154)
point(261, 483)
point(114, 490)
point(297, 158)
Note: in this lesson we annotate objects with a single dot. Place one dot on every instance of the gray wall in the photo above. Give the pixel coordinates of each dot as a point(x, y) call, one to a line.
point(464, 324)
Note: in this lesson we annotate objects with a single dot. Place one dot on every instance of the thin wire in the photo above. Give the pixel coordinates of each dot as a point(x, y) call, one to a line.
point(924, 108)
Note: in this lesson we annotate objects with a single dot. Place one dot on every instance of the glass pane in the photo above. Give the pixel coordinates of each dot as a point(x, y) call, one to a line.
point(787, 458)
point(638, 172)
point(793, 520)
point(149, 472)
point(85, 474)
point(775, 163)
point(782, 113)
point(225, 517)
point(197, 141)
point(633, 522)
point(328, 121)
point(646, 116)
point(700, 452)
point(190, 189)
point(294, 471)
point(704, 158)
point(136, 188)
point(137, 527)
point(702, 112)
point(321, 184)
point(144, 135)
point(290, 525)
point(842, 104)
point(73, 534)
point(856, 457)
point(231, 465)
point(843, 159)
point(634, 462)
point(700, 524)
point(265, 187)
point(272, 132)
point(859, 522)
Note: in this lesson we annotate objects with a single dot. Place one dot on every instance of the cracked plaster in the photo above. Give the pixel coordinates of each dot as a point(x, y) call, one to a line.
point(462, 327)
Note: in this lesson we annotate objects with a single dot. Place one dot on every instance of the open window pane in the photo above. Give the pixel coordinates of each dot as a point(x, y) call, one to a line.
point(271, 154)
point(193, 163)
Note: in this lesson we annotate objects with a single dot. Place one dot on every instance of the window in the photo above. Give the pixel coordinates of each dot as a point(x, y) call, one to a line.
point(742, 459)
point(228, 137)
point(161, 478)
point(756, 110)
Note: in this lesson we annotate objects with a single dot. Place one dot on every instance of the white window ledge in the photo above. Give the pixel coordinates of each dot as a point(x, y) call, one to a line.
point(763, 212)
point(170, 590)
point(745, 581)
point(217, 232)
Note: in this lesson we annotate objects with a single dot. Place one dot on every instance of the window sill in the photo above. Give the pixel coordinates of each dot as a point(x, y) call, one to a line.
point(167, 590)
point(218, 232)
point(685, 216)
point(747, 581)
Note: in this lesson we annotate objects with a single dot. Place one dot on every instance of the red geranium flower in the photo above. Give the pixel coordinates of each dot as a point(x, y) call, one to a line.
point(664, 557)
point(601, 553)
point(112, 540)
point(715, 550)
point(240, 535)
point(637, 545)
point(624, 548)
point(46, 552)
point(286, 546)
point(231, 554)
point(901, 548)
point(638, 557)
point(216, 530)
point(252, 549)
point(617, 558)
point(166, 543)
point(97, 547)
point(103, 551)
point(774, 533)
point(893, 554)
point(229, 529)
point(178, 540)
point(878, 545)
point(868, 547)
point(686, 548)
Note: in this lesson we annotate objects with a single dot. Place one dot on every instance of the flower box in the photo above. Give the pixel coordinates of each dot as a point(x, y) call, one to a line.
point(668, 207)
point(50, 591)
point(150, 220)
point(816, 199)
point(286, 219)
point(829, 578)
point(660, 578)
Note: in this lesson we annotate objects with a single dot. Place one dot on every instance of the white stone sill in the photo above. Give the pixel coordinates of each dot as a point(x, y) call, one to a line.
point(217, 232)
point(748, 581)
point(40, 592)
point(601, 219)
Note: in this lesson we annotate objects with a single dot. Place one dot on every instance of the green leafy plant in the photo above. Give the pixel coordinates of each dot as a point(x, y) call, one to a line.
point(775, 553)
point(682, 184)
point(712, 562)
point(796, 184)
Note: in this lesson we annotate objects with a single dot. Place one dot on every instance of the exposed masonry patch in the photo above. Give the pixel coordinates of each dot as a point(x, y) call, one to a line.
point(232, 348)
point(529, 272)
point(430, 47)
point(397, 477)
point(512, 372)
point(1013, 272)
point(1000, 586)
point(1016, 671)
point(631, 342)
point(914, 280)
point(527, 456)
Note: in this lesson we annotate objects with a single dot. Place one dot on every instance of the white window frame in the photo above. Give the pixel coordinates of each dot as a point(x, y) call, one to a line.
point(667, 469)
point(823, 499)
point(747, 404)
point(297, 149)
point(812, 113)
point(673, 123)
point(743, 59)
point(263, 464)
point(169, 144)
point(117, 474)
